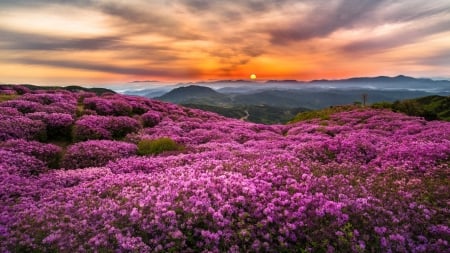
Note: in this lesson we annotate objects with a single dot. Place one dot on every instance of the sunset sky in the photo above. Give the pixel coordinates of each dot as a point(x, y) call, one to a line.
point(97, 42)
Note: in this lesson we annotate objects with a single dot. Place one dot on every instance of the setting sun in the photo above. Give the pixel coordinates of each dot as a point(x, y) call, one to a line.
point(253, 76)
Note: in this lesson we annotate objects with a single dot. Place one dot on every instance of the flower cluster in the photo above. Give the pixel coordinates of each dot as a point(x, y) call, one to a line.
point(19, 127)
point(58, 125)
point(17, 163)
point(108, 106)
point(150, 118)
point(47, 153)
point(96, 153)
point(91, 127)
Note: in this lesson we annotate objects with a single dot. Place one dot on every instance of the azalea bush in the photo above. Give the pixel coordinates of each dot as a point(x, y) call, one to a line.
point(96, 153)
point(104, 127)
point(50, 154)
point(151, 119)
point(19, 127)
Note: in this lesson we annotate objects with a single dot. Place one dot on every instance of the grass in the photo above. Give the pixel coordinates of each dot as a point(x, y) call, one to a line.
point(323, 114)
point(158, 146)
point(4, 97)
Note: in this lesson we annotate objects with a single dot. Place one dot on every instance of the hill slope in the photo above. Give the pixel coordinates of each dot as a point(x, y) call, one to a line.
point(196, 95)
point(429, 107)
point(140, 175)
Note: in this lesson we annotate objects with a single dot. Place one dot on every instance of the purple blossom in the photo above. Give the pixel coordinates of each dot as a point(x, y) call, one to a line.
point(47, 153)
point(96, 153)
point(19, 127)
point(104, 127)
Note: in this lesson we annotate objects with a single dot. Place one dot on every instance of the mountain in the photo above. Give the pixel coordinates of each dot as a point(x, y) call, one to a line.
point(317, 99)
point(196, 95)
point(279, 98)
point(385, 82)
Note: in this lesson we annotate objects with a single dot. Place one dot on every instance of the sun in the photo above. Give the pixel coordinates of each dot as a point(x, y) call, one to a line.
point(253, 76)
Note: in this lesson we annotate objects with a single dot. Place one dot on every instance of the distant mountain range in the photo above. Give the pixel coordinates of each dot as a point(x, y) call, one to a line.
point(236, 97)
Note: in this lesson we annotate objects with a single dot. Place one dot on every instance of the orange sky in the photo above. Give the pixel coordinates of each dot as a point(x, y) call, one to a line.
point(99, 42)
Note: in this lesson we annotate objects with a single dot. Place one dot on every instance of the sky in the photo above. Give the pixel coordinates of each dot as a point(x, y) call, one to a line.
point(109, 41)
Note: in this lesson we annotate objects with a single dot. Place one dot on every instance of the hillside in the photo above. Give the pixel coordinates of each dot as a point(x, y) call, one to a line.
point(429, 107)
point(323, 98)
point(112, 173)
point(254, 113)
point(196, 95)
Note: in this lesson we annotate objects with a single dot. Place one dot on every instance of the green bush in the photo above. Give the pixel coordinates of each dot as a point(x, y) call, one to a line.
point(323, 114)
point(158, 146)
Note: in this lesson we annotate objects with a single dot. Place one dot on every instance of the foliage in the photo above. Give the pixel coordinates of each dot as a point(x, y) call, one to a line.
point(430, 107)
point(323, 114)
point(91, 127)
point(158, 146)
point(96, 153)
point(48, 153)
point(254, 113)
point(6, 97)
point(151, 119)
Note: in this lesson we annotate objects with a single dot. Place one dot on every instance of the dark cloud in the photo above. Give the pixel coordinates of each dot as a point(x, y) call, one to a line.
point(405, 36)
point(126, 70)
point(27, 41)
point(327, 17)
point(135, 19)
point(441, 58)
point(36, 42)
point(29, 3)
point(218, 6)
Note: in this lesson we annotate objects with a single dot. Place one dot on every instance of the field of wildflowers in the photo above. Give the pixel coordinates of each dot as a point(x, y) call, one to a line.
point(71, 179)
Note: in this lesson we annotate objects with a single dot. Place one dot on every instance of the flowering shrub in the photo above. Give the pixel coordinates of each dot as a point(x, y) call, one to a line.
point(20, 127)
point(9, 111)
point(58, 125)
point(108, 106)
point(20, 89)
point(150, 119)
point(50, 98)
point(96, 153)
point(104, 127)
point(48, 153)
point(23, 106)
point(122, 125)
point(158, 146)
point(353, 181)
point(20, 164)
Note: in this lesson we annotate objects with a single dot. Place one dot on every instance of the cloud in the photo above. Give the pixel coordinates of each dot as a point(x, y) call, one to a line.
point(322, 19)
point(27, 41)
point(409, 34)
point(125, 70)
point(325, 17)
point(441, 58)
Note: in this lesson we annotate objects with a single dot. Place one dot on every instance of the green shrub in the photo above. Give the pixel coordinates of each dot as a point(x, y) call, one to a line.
point(158, 146)
point(6, 97)
point(323, 114)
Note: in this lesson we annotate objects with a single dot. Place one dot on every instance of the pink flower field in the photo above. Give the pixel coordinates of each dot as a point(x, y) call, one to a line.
point(71, 179)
